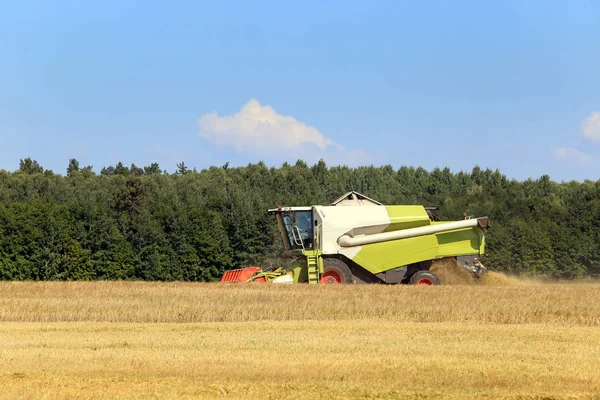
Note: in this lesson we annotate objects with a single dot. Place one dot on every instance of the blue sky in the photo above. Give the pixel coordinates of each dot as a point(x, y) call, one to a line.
point(513, 85)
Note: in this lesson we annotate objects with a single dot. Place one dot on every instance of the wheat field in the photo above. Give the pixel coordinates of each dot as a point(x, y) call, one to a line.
point(502, 338)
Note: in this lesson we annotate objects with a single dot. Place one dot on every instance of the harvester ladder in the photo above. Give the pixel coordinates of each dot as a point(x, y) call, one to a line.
point(312, 260)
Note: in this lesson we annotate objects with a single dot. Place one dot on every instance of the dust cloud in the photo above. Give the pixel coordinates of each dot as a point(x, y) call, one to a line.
point(451, 273)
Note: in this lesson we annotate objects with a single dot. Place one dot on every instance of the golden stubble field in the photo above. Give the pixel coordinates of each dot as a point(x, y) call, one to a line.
point(501, 339)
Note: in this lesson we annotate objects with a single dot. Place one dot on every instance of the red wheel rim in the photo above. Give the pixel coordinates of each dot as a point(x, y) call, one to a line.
point(331, 278)
point(424, 282)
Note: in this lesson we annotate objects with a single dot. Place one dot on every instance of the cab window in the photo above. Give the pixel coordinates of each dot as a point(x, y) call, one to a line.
point(299, 229)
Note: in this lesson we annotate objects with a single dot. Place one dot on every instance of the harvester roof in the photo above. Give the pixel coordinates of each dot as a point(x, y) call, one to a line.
point(353, 198)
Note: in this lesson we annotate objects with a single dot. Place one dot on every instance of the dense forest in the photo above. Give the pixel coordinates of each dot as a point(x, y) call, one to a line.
point(128, 222)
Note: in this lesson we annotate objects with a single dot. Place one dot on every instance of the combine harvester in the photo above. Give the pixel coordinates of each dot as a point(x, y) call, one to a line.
point(359, 240)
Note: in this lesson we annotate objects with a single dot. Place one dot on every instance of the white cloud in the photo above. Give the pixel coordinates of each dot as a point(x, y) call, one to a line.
point(590, 127)
point(260, 131)
point(570, 155)
point(257, 127)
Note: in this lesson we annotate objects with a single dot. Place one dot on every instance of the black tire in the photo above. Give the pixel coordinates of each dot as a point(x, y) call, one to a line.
point(424, 278)
point(335, 271)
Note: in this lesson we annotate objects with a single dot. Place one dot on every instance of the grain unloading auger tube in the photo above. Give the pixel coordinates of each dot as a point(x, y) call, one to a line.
point(348, 240)
point(359, 240)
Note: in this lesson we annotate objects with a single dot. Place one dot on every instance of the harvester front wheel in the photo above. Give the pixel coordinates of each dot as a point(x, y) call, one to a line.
point(424, 278)
point(335, 272)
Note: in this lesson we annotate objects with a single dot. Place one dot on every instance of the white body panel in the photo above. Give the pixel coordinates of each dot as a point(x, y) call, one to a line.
point(284, 279)
point(337, 221)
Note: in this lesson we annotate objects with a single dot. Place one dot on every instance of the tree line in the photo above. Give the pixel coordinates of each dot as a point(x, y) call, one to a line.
point(130, 222)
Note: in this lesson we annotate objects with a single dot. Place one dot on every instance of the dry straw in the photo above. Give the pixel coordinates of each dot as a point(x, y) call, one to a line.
point(504, 303)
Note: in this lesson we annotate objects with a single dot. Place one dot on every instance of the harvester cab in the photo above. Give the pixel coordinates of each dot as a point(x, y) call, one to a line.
point(356, 239)
point(296, 227)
